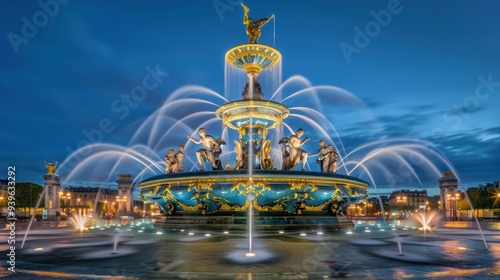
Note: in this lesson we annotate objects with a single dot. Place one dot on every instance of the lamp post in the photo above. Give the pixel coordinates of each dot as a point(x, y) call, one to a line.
point(452, 201)
point(68, 197)
point(448, 198)
point(63, 200)
point(119, 204)
point(401, 200)
point(78, 206)
point(120, 201)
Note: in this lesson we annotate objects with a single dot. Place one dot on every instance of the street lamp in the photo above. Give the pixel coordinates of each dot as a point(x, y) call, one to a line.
point(448, 198)
point(401, 201)
point(121, 201)
point(68, 197)
point(78, 206)
point(63, 198)
point(452, 199)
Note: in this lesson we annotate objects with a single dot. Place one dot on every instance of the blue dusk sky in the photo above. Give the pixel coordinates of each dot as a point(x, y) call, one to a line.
point(417, 79)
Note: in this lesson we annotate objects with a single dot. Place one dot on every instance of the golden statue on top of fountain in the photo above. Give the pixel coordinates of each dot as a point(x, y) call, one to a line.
point(253, 57)
point(253, 26)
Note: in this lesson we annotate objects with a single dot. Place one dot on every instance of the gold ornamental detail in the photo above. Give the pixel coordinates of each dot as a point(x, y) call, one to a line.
point(318, 207)
point(276, 207)
point(188, 207)
point(226, 207)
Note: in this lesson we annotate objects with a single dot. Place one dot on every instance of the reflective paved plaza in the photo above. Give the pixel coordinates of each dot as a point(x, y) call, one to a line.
point(373, 249)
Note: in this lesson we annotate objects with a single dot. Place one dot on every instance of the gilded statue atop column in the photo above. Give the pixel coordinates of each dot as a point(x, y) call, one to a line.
point(51, 168)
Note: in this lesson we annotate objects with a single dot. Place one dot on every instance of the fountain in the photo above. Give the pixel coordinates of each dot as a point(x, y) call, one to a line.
point(259, 192)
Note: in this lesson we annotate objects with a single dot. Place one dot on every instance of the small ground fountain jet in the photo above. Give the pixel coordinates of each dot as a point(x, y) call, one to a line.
point(79, 221)
point(116, 238)
point(398, 241)
point(427, 219)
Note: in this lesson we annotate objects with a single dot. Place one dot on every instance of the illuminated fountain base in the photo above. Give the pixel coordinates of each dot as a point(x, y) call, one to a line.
point(217, 200)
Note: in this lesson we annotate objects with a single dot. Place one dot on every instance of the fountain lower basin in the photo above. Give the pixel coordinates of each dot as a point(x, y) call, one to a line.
point(283, 199)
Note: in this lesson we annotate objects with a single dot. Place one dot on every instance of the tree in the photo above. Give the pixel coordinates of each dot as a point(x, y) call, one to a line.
point(480, 199)
point(463, 204)
point(27, 195)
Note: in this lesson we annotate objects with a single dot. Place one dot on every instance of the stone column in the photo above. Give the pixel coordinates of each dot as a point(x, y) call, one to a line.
point(52, 199)
point(125, 198)
point(448, 185)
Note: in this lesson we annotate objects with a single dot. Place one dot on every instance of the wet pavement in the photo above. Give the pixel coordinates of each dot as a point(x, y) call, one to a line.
point(372, 250)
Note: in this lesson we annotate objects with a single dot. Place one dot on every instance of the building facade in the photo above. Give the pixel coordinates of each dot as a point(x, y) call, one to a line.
point(87, 200)
point(414, 199)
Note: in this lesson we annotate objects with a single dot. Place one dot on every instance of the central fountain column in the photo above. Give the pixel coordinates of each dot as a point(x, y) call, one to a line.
point(253, 116)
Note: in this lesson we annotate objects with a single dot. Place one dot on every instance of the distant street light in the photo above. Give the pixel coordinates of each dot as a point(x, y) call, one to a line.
point(453, 205)
point(63, 200)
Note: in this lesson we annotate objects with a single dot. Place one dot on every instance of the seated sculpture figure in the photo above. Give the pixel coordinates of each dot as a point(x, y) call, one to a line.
point(178, 166)
point(211, 149)
point(292, 153)
point(331, 159)
point(169, 161)
point(328, 157)
point(322, 160)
